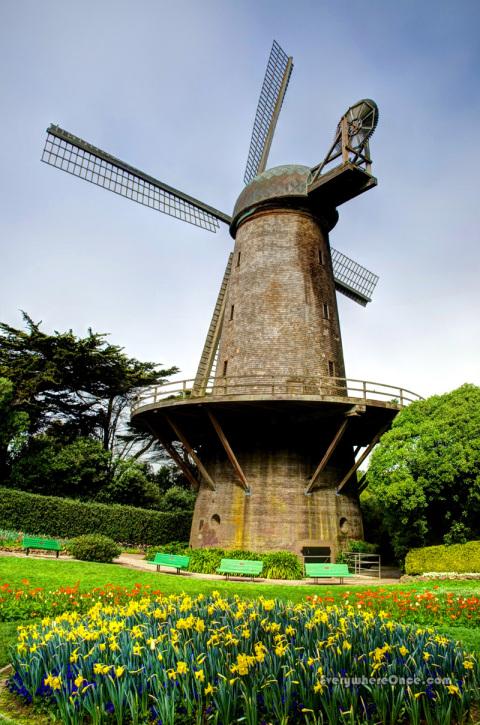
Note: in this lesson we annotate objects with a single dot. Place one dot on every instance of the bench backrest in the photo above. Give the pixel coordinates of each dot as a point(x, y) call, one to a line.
point(249, 566)
point(333, 569)
point(36, 541)
point(171, 559)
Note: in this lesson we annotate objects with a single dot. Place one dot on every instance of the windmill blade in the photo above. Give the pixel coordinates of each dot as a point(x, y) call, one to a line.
point(75, 156)
point(279, 70)
point(351, 279)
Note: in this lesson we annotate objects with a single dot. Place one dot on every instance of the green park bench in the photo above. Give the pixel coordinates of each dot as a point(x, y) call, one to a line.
point(177, 561)
point(327, 571)
point(239, 566)
point(36, 542)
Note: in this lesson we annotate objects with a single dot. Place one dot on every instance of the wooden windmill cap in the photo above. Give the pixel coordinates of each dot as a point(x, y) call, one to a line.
point(287, 183)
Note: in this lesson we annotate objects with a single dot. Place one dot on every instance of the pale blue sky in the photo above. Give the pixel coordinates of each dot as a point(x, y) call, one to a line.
point(172, 87)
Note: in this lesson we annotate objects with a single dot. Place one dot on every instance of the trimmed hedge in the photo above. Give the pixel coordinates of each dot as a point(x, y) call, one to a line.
point(66, 518)
point(276, 564)
point(453, 558)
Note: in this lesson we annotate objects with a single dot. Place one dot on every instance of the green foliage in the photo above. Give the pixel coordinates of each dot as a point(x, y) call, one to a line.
point(65, 518)
point(276, 564)
point(455, 558)
point(458, 534)
point(10, 540)
point(374, 524)
point(281, 565)
point(93, 547)
point(79, 469)
point(174, 547)
point(167, 476)
point(425, 473)
point(356, 546)
point(84, 470)
point(71, 386)
point(130, 485)
point(178, 499)
point(13, 425)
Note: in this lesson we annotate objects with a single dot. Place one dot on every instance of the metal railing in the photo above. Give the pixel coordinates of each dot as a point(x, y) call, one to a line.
point(361, 564)
point(274, 386)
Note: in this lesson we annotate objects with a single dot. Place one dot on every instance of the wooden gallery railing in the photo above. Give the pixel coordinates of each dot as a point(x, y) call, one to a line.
point(269, 386)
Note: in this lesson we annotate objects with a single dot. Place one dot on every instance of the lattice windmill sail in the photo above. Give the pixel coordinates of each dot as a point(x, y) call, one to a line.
point(270, 412)
point(275, 83)
point(71, 154)
point(77, 157)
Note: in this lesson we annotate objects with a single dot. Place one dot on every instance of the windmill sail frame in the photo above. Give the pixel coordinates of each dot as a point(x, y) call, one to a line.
point(72, 154)
point(275, 83)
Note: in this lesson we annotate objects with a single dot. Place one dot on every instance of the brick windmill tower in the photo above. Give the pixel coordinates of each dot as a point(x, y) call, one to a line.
point(275, 430)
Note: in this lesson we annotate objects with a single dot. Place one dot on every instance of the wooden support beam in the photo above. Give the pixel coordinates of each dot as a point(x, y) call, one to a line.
point(228, 450)
point(365, 453)
point(362, 484)
point(327, 456)
point(203, 471)
point(175, 456)
point(344, 128)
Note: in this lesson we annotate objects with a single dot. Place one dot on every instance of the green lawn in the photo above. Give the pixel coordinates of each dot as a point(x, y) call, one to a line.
point(55, 573)
point(51, 574)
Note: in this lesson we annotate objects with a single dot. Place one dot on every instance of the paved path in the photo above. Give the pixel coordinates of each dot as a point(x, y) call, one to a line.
point(135, 561)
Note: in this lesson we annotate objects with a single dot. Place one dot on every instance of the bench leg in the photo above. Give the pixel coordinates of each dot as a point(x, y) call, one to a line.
point(158, 567)
point(27, 551)
point(341, 580)
point(178, 570)
point(57, 553)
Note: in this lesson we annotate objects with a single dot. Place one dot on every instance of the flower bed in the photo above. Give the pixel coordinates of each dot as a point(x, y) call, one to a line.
point(178, 659)
point(426, 607)
point(30, 602)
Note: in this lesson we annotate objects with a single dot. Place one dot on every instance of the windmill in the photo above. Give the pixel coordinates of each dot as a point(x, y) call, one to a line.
point(270, 421)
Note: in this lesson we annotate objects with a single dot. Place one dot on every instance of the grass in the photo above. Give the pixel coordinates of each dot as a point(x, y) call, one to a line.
point(8, 634)
point(52, 574)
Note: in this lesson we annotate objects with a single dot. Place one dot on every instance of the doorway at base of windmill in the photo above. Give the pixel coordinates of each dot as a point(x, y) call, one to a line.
point(316, 554)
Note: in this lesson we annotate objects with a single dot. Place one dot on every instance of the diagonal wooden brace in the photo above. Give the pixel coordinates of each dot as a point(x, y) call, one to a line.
point(327, 455)
point(365, 453)
point(203, 471)
point(176, 457)
point(229, 451)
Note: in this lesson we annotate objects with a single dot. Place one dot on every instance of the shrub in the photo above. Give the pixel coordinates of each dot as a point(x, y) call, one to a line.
point(10, 540)
point(66, 518)
point(93, 547)
point(281, 565)
point(356, 546)
point(454, 558)
point(458, 534)
point(205, 561)
point(174, 547)
point(178, 499)
point(276, 564)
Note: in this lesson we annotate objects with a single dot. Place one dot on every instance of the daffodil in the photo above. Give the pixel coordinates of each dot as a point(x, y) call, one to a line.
point(453, 690)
